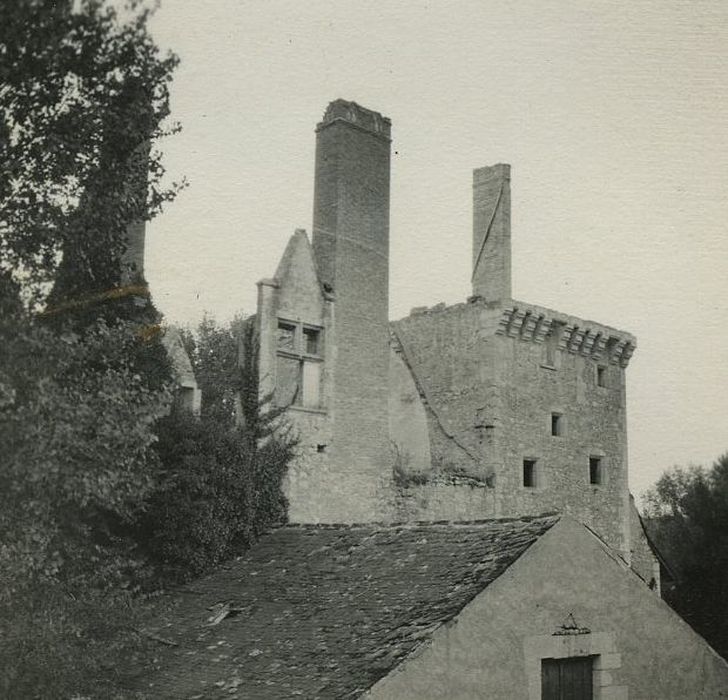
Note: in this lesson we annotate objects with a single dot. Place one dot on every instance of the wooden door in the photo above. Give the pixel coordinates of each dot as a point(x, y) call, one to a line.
point(567, 679)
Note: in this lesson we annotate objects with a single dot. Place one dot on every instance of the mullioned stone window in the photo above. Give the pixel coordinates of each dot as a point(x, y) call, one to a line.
point(299, 350)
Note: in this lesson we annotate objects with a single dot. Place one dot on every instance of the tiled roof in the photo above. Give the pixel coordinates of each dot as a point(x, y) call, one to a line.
point(326, 611)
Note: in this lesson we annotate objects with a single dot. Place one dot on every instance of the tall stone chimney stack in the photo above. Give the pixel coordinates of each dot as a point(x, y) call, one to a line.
point(351, 197)
point(351, 251)
point(492, 232)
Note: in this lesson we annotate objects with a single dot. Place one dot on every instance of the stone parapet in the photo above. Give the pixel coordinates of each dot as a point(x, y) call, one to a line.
point(576, 336)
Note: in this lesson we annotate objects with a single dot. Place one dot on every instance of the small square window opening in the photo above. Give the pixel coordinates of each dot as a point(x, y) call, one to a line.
point(311, 341)
point(529, 473)
point(596, 474)
point(557, 424)
point(186, 398)
point(286, 336)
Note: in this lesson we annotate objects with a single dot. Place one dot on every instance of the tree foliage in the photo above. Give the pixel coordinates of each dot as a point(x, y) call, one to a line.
point(687, 516)
point(222, 472)
point(215, 353)
point(76, 425)
point(83, 97)
point(83, 94)
point(104, 488)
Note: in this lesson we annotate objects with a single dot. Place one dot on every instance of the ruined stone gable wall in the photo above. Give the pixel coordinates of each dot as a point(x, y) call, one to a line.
point(299, 294)
point(311, 479)
point(408, 424)
point(295, 296)
point(445, 349)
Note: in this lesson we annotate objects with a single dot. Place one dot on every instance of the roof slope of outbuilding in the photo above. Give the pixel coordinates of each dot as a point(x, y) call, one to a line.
point(326, 611)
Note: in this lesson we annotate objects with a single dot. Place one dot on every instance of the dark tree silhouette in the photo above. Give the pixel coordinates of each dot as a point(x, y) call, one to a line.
point(687, 516)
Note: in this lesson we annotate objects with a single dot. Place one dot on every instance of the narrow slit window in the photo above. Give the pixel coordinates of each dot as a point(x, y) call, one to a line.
point(552, 343)
point(601, 376)
point(529, 473)
point(557, 424)
point(596, 471)
point(311, 384)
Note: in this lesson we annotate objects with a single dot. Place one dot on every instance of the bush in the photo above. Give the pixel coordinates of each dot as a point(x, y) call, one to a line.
point(57, 644)
point(76, 424)
point(220, 484)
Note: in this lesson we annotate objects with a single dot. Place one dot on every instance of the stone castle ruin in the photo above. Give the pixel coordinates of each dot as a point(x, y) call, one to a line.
point(424, 558)
point(488, 408)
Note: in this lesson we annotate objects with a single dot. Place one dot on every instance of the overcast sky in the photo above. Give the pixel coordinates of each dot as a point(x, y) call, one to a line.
point(611, 114)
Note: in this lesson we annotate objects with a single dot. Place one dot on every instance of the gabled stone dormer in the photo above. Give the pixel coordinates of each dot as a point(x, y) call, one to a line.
point(294, 321)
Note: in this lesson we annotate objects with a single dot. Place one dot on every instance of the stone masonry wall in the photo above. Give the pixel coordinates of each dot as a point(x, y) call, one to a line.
point(592, 425)
point(466, 391)
point(408, 425)
point(295, 295)
point(441, 498)
point(447, 353)
point(493, 393)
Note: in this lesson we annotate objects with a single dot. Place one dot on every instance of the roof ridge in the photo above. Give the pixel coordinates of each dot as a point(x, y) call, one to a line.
point(555, 515)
